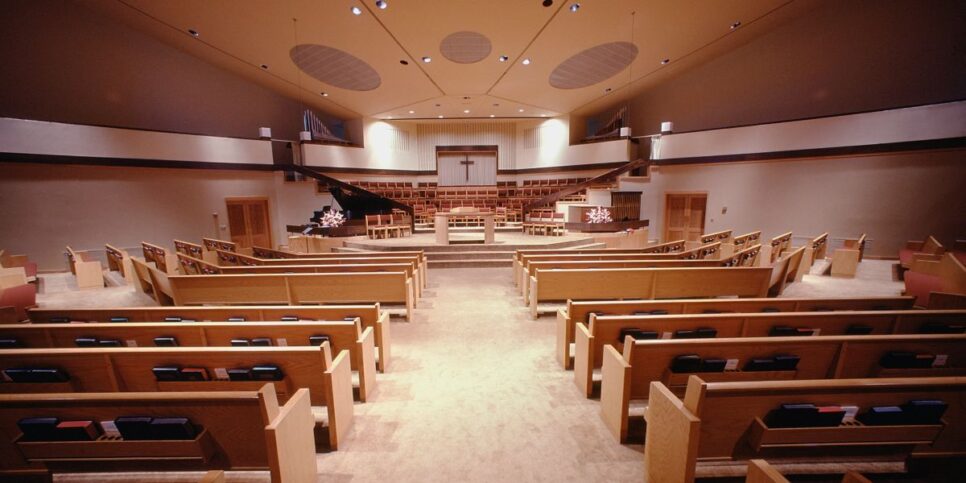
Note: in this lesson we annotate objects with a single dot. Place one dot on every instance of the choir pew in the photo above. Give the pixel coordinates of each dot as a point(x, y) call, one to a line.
point(519, 255)
point(328, 379)
point(369, 315)
point(164, 260)
point(579, 311)
point(608, 330)
point(646, 283)
point(626, 377)
point(724, 421)
point(344, 335)
point(240, 430)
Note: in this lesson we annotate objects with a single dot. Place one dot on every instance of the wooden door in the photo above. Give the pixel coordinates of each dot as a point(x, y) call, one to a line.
point(248, 222)
point(684, 216)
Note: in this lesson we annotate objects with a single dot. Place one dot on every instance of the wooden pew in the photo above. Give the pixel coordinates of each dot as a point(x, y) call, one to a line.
point(748, 239)
point(212, 244)
point(195, 250)
point(647, 283)
point(328, 379)
point(723, 236)
point(759, 471)
point(591, 338)
point(119, 261)
point(941, 279)
point(846, 260)
point(267, 254)
point(816, 249)
point(87, 271)
point(288, 289)
point(930, 248)
point(519, 255)
point(231, 259)
point(370, 315)
point(778, 245)
point(153, 282)
point(720, 422)
point(784, 271)
point(343, 335)
point(163, 260)
point(238, 430)
point(579, 311)
point(626, 377)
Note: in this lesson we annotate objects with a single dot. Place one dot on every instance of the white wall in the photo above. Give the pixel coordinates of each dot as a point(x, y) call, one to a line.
point(388, 145)
point(546, 143)
point(52, 138)
point(938, 121)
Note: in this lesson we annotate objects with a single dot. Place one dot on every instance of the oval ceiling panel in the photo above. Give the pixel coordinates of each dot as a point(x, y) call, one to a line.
point(335, 67)
point(593, 65)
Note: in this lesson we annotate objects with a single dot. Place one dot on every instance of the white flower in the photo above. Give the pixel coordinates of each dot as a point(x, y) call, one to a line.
point(599, 215)
point(332, 219)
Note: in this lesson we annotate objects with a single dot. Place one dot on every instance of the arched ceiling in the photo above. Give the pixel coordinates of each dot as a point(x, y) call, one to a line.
point(370, 79)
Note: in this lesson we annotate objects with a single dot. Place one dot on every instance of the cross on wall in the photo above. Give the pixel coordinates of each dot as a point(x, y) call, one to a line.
point(467, 163)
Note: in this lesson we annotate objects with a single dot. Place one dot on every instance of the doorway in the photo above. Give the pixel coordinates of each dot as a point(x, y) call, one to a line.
point(684, 216)
point(249, 223)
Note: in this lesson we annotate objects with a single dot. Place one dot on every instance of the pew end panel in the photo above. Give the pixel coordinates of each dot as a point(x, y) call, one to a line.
point(338, 389)
point(366, 363)
point(583, 359)
point(565, 334)
point(290, 440)
point(615, 391)
point(671, 451)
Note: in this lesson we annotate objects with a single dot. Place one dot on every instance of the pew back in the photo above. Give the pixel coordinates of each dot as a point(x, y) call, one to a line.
point(212, 244)
point(748, 239)
point(779, 245)
point(723, 236)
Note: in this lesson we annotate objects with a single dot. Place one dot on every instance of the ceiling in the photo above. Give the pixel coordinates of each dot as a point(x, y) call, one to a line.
point(615, 48)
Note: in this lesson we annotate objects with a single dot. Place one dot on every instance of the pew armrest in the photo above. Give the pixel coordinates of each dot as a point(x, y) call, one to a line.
point(565, 333)
point(383, 331)
point(583, 359)
point(367, 364)
point(339, 403)
point(290, 438)
point(615, 392)
point(671, 447)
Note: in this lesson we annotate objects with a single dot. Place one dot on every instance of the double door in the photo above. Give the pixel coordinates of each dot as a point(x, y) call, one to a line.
point(684, 215)
point(248, 222)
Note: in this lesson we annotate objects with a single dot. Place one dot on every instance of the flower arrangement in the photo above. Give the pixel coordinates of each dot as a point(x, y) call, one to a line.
point(332, 219)
point(599, 215)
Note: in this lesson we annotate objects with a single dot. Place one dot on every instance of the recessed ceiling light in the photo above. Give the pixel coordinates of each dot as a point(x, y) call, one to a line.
point(194, 33)
point(356, 11)
point(521, 110)
point(547, 3)
point(492, 115)
point(496, 104)
point(325, 94)
point(665, 61)
point(265, 66)
point(504, 58)
point(466, 111)
point(404, 62)
point(440, 116)
point(526, 61)
point(575, 7)
point(412, 112)
point(608, 89)
point(438, 105)
point(427, 59)
point(466, 98)
point(736, 25)
point(382, 4)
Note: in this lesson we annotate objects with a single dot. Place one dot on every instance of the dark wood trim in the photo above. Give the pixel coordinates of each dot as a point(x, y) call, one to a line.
point(560, 169)
point(823, 116)
point(128, 128)
point(373, 171)
point(468, 149)
point(321, 142)
point(129, 162)
point(867, 149)
point(611, 227)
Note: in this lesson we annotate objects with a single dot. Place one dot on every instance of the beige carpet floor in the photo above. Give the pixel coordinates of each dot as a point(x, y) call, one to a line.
point(475, 394)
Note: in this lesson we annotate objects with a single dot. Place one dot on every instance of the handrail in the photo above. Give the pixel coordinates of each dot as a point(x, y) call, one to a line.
point(608, 176)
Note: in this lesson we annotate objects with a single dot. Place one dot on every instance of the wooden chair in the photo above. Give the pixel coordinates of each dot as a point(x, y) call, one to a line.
point(87, 271)
point(374, 227)
point(342, 335)
point(328, 378)
point(721, 422)
point(236, 430)
point(846, 260)
point(626, 377)
point(580, 311)
point(370, 316)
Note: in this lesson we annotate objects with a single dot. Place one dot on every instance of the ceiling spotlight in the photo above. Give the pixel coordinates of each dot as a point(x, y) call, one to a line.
point(404, 62)
point(325, 94)
point(440, 116)
point(504, 58)
point(547, 3)
point(438, 105)
point(382, 4)
point(492, 115)
point(264, 66)
point(575, 7)
point(194, 33)
point(735, 25)
point(665, 61)
point(521, 110)
point(526, 61)
point(466, 98)
point(356, 11)
point(496, 104)
point(608, 89)
point(427, 59)
point(412, 112)
point(466, 111)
